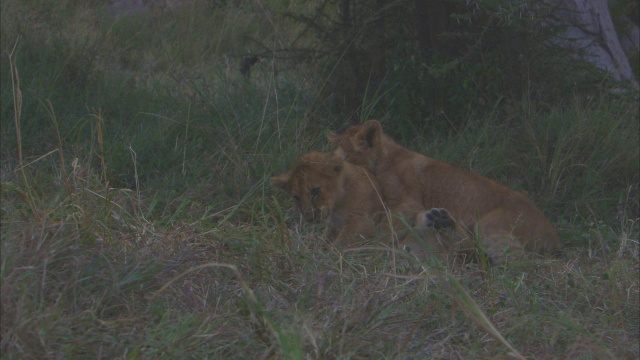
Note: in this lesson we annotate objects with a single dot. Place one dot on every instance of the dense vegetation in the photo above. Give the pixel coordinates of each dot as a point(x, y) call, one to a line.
point(138, 221)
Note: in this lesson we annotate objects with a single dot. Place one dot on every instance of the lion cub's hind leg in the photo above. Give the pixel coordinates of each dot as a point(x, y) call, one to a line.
point(442, 234)
point(497, 233)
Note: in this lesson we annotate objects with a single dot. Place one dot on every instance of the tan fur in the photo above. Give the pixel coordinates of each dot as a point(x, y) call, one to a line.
point(484, 212)
point(326, 188)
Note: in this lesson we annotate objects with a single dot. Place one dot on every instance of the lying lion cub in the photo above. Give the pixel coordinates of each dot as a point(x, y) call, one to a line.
point(324, 187)
point(472, 209)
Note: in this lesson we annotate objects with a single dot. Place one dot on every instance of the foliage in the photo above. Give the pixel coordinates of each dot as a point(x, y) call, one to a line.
point(371, 59)
point(625, 15)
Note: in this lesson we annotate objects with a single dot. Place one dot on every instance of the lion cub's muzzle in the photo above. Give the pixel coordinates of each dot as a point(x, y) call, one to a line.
point(314, 215)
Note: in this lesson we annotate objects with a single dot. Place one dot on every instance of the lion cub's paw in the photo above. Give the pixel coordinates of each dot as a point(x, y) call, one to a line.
point(438, 219)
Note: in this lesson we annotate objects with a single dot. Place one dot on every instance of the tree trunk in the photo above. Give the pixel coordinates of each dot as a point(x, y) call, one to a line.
point(431, 21)
point(590, 34)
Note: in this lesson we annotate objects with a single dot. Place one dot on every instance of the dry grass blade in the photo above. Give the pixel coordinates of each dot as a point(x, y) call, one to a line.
point(63, 170)
point(250, 295)
point(473, 311)
point(17, 111)
point(39, 158)
point(100, 134)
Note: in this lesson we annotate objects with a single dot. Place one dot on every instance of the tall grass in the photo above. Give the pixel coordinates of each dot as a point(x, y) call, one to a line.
point(153, 234)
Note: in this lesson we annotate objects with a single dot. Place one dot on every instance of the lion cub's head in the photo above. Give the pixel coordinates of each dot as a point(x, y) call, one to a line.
point(360, 144)
point(315, 182)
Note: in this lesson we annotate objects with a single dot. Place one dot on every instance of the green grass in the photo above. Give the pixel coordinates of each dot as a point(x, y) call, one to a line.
point(139, 222)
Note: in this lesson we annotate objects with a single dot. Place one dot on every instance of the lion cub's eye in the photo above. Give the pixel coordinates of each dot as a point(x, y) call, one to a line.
point(315, 191)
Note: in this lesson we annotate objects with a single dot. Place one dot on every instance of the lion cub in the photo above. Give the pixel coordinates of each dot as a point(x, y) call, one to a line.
point(472, 209)
point(326, 188)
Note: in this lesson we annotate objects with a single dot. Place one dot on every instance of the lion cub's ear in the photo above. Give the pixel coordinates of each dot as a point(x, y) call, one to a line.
point(334, 139)
point(281, 181)
point(371, 134)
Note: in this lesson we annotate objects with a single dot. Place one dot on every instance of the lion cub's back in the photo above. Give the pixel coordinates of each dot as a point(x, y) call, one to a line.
point(362, 192)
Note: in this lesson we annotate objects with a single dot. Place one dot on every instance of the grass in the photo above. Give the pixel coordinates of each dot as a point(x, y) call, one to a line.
point(137, 222)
